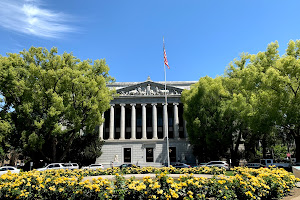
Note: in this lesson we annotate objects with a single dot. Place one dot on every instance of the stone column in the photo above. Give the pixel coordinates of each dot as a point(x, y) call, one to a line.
point(165, 119)
point(176, 121)
point(122, 122)
point(101, 128)
point(133, 122)
point(154, 121)
point(112, 122)
point(144, 128)
point(184, 129)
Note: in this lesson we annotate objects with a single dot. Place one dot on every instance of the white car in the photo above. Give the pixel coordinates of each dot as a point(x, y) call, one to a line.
point(94, 166)
point(56, 166)
point(74, 166)
point(5, 169)
point(223, 164)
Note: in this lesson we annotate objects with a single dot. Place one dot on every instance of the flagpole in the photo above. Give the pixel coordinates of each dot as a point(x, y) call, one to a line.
point(166, 103)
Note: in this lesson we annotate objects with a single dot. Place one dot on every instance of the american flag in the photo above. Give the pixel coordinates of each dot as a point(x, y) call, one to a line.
point(165, 57)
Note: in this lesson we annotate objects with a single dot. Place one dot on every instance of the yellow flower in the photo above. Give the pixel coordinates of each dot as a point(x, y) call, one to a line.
point(52, 188)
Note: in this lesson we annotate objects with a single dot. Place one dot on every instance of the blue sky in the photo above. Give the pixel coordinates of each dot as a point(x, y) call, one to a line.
point(201, 36)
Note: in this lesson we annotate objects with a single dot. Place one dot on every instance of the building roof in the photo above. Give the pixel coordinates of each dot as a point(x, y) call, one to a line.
point(176, 84)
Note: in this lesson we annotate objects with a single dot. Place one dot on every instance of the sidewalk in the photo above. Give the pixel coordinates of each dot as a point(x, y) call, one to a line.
point(295, 193)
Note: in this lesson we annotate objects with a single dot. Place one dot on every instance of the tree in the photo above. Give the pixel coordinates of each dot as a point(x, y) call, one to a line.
point(272, 85)
point(209, 123)
point(53, 100)
point(263, 105)
point(250, 101)
point(285, 78)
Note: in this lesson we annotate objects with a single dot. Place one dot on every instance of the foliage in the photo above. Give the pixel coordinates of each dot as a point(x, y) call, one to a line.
point(280, 152)
point(52, 100)
point(208, 124)
point(257, 97)
point(153, 170)
point(246, 184)
point(215, 123)
point(85, 154)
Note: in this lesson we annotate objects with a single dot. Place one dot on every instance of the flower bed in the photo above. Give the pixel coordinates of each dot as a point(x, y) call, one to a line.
point(153, 170)
point(247, 183)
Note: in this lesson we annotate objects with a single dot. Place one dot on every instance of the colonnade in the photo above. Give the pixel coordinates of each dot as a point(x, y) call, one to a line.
point(144, 127)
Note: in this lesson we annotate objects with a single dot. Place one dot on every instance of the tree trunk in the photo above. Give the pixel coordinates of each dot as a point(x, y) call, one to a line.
point(54, 141)
point(264, 147)
point(235, 150)
point(297, 142)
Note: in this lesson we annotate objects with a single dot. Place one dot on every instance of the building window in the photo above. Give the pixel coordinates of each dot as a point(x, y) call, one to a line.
point(139, 117)
point(159, 116)
point(127, 117)
point(139, 122)
point(127, 155)
point(149, 155)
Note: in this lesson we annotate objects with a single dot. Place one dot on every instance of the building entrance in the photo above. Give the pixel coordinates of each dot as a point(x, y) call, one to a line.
point(127, 155)
point(172, 154)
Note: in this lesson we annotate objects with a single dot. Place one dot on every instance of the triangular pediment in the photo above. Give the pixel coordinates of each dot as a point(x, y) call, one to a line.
point(149, 88)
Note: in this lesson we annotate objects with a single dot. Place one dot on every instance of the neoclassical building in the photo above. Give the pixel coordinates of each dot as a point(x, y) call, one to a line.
point(138, 121)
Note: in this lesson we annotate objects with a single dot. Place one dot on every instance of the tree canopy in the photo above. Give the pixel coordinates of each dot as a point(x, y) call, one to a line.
point(51, 100)
point(258, 97)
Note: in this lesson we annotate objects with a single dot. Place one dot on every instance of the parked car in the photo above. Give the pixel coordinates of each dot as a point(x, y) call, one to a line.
point(181, 165)
point(254, 165)
point(5, 169)
point(223, 164)
point(56, 166)
point(202, 164)
point(127, 165)
point(272, 162)
point(74, 166)
point(94, 166)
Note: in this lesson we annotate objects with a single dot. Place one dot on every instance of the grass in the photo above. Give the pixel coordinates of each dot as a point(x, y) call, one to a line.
point(229, 173)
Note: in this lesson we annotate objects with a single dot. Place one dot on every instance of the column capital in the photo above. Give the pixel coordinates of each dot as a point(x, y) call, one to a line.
point(164, 104)
point(154, 104)
point(143, 104)
point(175, 104)
point(112, 105)
point(122, 104)
point(133, 104)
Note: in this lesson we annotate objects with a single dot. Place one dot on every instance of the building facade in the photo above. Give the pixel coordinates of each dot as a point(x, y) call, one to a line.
point(138, 121)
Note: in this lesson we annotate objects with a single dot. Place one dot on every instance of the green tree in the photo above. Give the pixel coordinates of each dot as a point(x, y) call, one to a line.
point(263, 105)
point(53, 100)
point(209, 123)
point(243, 104)
point(270, 82)
point(284, 77)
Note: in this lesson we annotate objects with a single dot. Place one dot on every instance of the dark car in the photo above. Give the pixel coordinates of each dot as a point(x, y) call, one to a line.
point(254, 165)
point(181, 165)
point(127, 165)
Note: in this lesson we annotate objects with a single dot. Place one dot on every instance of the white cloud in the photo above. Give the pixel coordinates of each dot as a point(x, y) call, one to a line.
point(27, 16)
